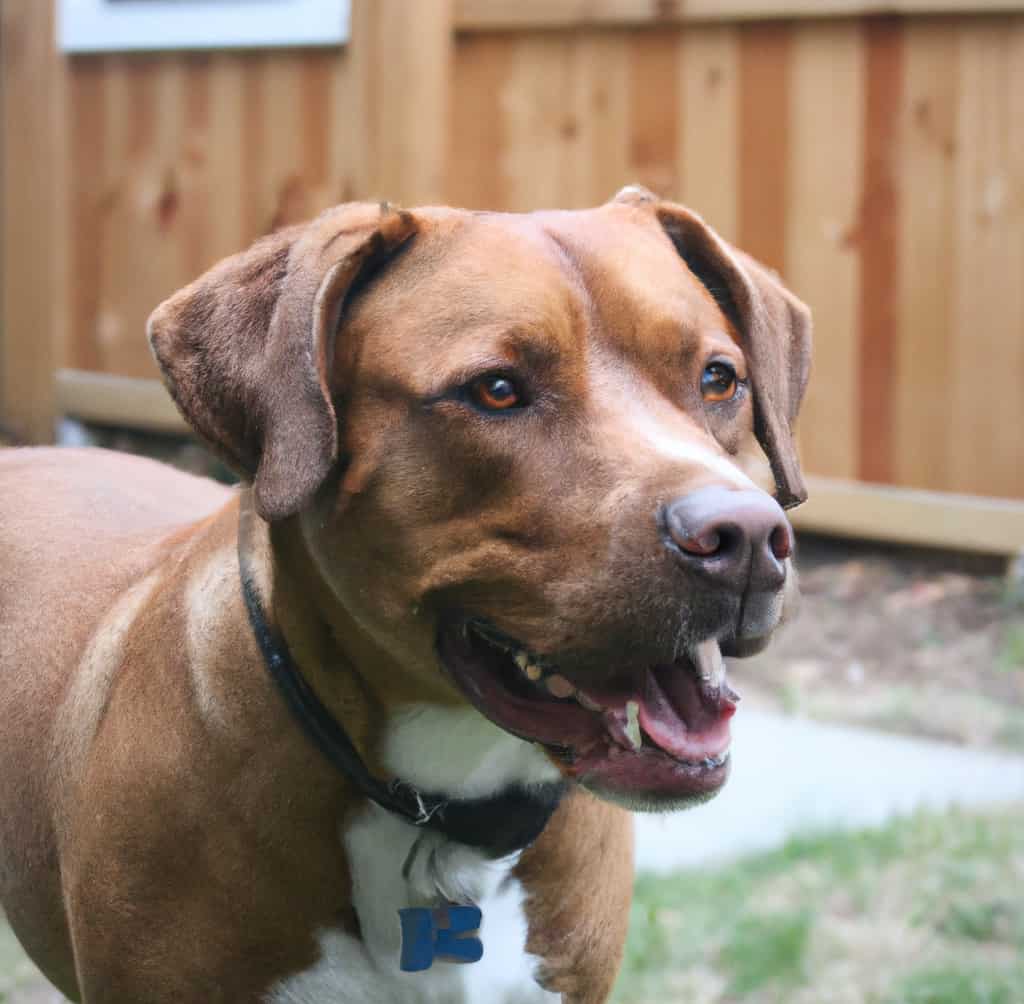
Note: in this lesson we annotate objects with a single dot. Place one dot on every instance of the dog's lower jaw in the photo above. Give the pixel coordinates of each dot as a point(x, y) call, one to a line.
point(638, 801)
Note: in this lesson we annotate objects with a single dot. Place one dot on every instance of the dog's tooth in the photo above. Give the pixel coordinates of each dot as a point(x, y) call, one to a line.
point(633, 724)
point(717, 761)
point(533, 671)
point(559, 686)
point(522, 659)
point(588, 702)
point(707, 657)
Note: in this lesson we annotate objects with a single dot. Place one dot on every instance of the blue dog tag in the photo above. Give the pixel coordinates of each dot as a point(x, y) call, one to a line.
point(445, 933)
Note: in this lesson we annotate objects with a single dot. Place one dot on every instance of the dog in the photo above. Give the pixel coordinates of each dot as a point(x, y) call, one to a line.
point(511, 487)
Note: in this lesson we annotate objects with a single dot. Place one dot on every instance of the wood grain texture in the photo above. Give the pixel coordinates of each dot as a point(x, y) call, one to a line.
point(654, 110)
point(177, 160)
point(128, 402)
point(987, 351)
point(487, 15)
point(930, 519)
point(603, 93)
point(928, 275)
point(764, 141)
point(709, 136)
point(878, 242)
point(33, 197)
point(538, 134)
point(821, 232)
point(476, 175)
point(403, 60)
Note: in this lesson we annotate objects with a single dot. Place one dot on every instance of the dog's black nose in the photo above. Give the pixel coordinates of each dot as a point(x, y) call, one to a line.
point(738, 539)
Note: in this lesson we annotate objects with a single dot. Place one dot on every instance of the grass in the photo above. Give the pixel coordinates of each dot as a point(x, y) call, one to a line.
point(950, 984)
point(1011, 655)
point(17, 974)
point(926, 910)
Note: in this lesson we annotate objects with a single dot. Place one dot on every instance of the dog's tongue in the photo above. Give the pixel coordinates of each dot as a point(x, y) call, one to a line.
point(684, 709)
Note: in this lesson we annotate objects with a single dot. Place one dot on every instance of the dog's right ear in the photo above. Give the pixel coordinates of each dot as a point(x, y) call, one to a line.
point(246, 350)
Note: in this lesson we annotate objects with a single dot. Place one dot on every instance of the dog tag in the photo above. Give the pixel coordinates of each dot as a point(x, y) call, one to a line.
point(447, 933)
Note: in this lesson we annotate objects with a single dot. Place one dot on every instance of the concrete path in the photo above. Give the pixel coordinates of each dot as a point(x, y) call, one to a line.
point(791, 775)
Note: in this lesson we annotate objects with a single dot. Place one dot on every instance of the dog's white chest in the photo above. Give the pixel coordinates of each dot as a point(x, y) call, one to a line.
point(378, 845)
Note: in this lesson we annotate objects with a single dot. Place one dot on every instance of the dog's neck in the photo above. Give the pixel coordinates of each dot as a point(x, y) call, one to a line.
point(506, 814)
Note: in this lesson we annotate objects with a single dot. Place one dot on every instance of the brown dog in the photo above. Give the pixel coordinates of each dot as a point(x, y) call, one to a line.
point(500, 523)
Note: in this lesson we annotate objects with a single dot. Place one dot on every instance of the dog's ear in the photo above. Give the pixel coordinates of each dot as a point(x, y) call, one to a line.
point(246, 350)
point(775, 328)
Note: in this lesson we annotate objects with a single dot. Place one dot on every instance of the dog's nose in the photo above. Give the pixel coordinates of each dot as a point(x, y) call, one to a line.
point(738, 539)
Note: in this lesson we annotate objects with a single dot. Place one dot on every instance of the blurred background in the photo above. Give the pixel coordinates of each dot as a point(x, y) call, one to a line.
point(870, 847)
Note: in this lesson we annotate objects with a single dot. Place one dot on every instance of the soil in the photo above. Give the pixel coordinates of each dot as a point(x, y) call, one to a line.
point(906, 640)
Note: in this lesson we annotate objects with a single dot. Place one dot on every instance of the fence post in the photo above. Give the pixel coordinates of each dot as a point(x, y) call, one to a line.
point(403, 56)
point(31, 323)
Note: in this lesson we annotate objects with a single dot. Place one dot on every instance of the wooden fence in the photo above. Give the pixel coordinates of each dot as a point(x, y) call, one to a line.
point(874, 156)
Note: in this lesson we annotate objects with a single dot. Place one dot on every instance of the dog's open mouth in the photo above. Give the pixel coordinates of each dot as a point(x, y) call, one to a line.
point(660, 733)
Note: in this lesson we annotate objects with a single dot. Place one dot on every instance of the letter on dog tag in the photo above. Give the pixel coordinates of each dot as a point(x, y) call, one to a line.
point(445, 933)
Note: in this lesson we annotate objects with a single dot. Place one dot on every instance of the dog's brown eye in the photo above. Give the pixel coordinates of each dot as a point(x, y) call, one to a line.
point(718, 382)
point(495, 393)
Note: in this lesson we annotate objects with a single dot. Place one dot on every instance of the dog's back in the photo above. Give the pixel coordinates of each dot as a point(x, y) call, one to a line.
point(77, 527)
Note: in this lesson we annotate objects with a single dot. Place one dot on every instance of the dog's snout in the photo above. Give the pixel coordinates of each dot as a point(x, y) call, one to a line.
point(738, 539)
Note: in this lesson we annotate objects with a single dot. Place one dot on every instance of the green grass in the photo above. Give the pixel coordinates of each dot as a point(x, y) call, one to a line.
point(969, 984)
point(1011, 655)
point(926, 910)
point(767, 950)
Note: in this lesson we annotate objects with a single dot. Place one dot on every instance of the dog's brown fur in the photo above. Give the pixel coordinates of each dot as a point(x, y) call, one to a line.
point(166, 833)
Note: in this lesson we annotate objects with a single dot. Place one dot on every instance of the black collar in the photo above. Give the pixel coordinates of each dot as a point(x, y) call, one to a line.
point(497, 825)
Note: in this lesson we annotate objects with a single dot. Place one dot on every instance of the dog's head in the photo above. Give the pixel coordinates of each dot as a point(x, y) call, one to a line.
point(524, 454)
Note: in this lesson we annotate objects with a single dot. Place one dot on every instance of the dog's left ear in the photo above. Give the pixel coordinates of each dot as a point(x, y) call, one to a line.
point(775, 328)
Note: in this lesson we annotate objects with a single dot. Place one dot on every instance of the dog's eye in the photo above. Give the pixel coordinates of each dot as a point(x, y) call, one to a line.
point(495, 392)
point(718, 382)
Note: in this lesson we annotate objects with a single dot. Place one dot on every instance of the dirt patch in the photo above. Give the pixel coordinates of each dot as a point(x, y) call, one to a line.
point(902, 639)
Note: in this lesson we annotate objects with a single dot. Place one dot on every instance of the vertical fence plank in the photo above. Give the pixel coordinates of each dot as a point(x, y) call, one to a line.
point(603, 94)
point(927, 273)
point(986, 404)
point(654, 110)
point(345, 151)
point(709, 141)
point(535, 112)
point(403, 55)
point(222, 166)
point(477, 135)
point(879, 246)
point(822, 266)
point(141, 209)
point(89, 192)
point(30, 333)
point(764, 141)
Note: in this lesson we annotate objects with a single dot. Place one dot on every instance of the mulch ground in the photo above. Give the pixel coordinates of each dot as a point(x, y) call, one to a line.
point(907, 640)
